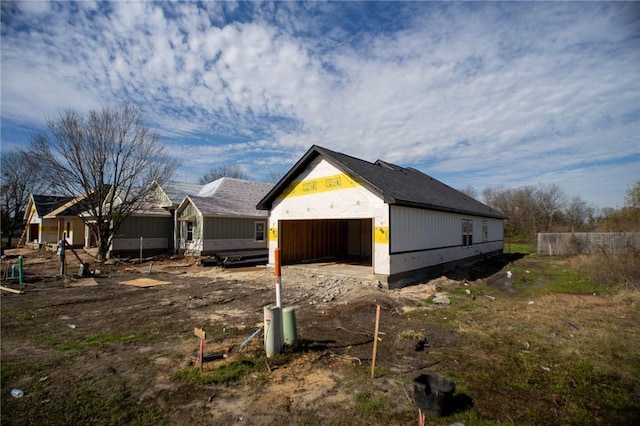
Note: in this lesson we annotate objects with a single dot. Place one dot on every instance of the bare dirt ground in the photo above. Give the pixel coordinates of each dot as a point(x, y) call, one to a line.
point(97, 351)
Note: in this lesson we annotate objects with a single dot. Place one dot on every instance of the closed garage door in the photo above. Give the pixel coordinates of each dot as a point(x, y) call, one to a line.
point(322, 239)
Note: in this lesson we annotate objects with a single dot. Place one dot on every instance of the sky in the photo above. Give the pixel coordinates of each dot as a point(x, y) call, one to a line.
point(487, 95)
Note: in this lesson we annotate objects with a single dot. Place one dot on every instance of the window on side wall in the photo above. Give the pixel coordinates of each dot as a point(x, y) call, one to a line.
point(259, 231)
point(467, 232)
point(189, 231)
point(485, 230)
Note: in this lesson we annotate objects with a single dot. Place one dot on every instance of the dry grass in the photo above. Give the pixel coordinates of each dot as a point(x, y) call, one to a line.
point(542, 357)
point(618, 271)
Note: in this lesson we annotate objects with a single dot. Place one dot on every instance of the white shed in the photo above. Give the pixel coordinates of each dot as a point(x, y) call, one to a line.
point(398, 221)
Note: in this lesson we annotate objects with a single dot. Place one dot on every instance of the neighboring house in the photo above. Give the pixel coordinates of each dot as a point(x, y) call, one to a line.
point(152, 228)
point(39, 228)
point(223, 217)
point(169, 196)
point(398, 221)
point(70, 225)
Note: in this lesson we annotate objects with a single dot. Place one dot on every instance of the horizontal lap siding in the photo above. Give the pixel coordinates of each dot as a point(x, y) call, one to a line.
point(223, 228)
point(150, 227)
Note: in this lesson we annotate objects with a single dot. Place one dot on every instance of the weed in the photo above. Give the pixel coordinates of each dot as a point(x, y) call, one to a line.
point(24, 315)
point(231, 372)
point(11, 370)
point(411, 334)
point(71, 342)
point(370, 405)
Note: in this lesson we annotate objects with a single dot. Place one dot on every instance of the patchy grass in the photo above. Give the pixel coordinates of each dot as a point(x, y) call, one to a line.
point(86, 406)
point(544, 274)
point(565, 359)
point(231, 372)
point(371, 405)
point(546, 351)
point(517, 248)
point(70, 341)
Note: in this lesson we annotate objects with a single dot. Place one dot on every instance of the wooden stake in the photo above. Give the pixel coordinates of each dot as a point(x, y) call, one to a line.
point(375, 342)
point(198, 332)
point(3, 288)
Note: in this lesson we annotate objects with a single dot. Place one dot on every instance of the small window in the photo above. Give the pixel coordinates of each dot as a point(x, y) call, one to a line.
point(189, 231)
point(259, 231)
point(467, 232)
point(485, 231)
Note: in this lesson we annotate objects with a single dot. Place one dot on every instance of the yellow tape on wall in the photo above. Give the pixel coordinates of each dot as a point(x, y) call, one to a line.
point(273, 234)
point(323, 184)
point(381, 234)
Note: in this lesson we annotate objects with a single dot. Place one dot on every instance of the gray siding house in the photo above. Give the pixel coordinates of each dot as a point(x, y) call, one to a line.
point(153, 226)
point(223, 217)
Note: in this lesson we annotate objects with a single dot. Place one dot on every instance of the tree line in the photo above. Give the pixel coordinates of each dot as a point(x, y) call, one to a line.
point(546, 208)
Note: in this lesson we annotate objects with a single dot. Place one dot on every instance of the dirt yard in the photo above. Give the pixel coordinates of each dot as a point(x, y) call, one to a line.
point(119, 347)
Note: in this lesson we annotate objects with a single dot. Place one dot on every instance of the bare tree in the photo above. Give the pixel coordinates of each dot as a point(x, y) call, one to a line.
point(549, 200)
point(530, 209)
point(632, 198)
point(110, 158)
point(578, 214)
point(20, 178)
point(274, 176)
point(470, 191)
point(232, 171)
point(626, 218)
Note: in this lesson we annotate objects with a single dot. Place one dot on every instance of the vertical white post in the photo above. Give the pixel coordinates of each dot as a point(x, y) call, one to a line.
point(278, 279)
point(141, 242)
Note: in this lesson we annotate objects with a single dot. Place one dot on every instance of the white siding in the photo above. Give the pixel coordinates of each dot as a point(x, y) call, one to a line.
point(425, 238)
point(416, 229)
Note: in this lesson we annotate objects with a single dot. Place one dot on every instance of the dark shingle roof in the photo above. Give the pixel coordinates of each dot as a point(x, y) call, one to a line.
point(394, 184)
point(45, 204)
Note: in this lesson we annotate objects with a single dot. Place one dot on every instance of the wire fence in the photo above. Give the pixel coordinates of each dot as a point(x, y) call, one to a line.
point(570, 243)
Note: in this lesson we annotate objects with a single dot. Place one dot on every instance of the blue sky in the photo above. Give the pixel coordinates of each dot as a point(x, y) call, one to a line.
point(480, 94)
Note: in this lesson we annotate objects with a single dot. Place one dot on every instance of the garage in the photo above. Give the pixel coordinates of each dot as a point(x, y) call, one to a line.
point(321, 240)
point(332, 209)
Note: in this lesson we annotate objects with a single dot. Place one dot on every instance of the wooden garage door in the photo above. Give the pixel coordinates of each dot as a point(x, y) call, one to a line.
point(314, 240)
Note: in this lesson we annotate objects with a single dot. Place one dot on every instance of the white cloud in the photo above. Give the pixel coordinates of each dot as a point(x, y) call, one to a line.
point(508, 92)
